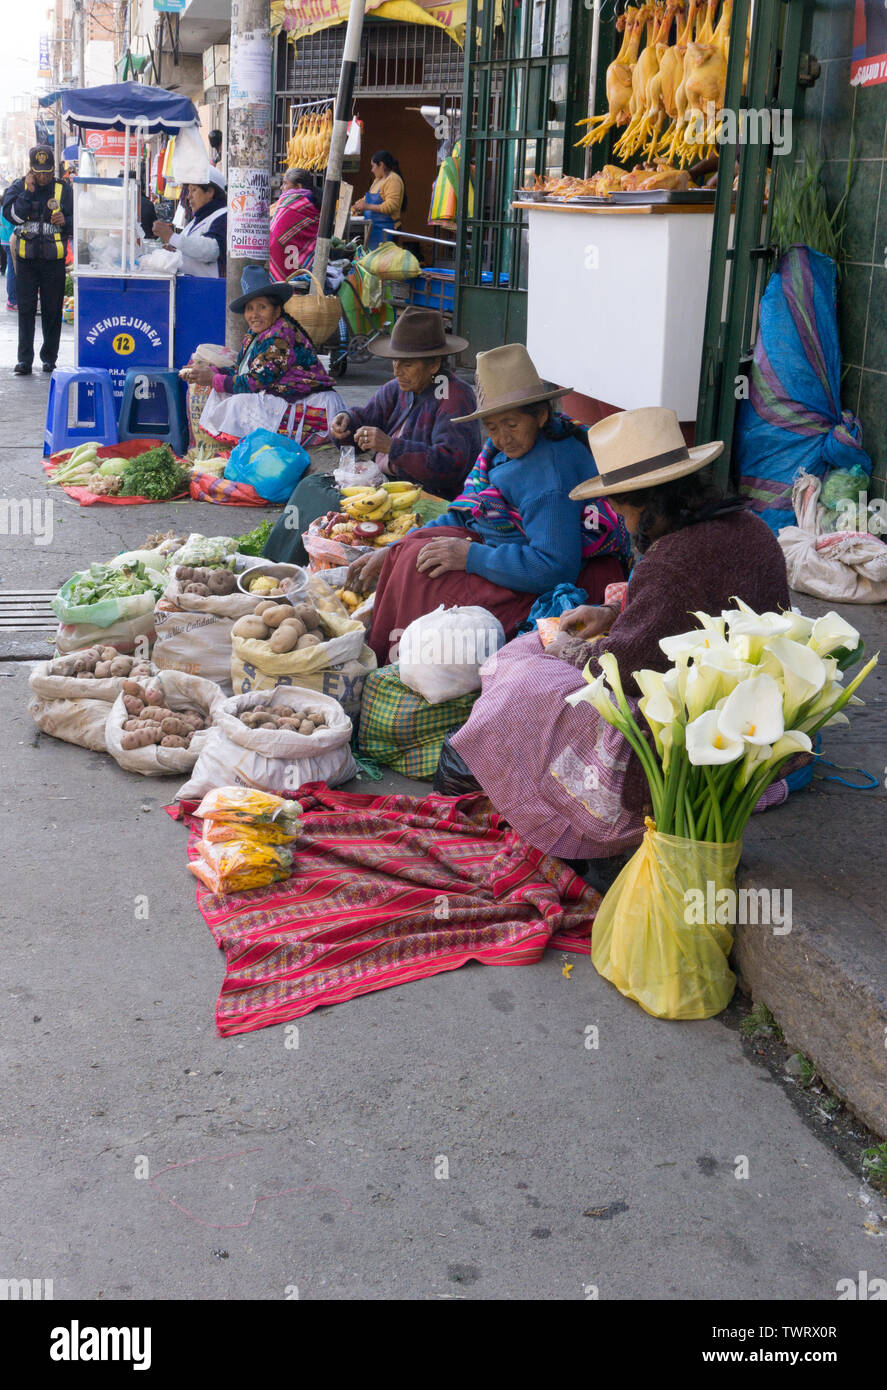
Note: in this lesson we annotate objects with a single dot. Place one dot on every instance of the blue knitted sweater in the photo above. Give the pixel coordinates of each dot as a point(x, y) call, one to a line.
point(538, 487)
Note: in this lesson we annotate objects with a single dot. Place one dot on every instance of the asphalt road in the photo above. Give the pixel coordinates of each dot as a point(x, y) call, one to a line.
point(453, 1138)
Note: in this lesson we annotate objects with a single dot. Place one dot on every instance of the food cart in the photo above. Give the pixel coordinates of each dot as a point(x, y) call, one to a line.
point(126, 317)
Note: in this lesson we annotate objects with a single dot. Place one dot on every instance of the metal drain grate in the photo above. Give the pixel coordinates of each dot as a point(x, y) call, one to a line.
point(27, 610)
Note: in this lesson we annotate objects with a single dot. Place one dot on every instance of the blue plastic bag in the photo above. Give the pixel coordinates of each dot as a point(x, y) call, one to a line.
point(270, 463)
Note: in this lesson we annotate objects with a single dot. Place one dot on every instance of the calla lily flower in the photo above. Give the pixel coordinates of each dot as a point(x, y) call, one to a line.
point(792, 741)
point(755, 756)
point(749, 632)
point(707, 745)
point(830, 633)
point(595, 693)
point(801, 627)
point(689, 643)
point(753, 711)
point(800, 672)
point(710, 623)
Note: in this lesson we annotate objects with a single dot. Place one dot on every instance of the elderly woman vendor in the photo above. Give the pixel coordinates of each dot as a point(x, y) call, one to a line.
point(277, 356)
point(514, 532)
point(574, 788)
point(409, 424)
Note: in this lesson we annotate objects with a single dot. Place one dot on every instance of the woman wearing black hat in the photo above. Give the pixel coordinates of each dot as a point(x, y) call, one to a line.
point(277, 355)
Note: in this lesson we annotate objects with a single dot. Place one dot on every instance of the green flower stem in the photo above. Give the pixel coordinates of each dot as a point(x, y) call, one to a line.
point(691, 821)
point(680, 802)
point(715, 805)
point(671, 782)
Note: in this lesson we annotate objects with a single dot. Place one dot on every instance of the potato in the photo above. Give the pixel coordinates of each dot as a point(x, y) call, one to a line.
point(173, 741)
point(250, 627)
point(273, 617)
point(141, 671)
point(183, 728)
point(109, 653)
point(306, 727)
point(121, 666)
point(306, 613)
point(157, 712)
point(200, 590)
point(140, 738)
point(131, 687)
point(309, 640)
point(87, 675)
point(284, 639)
point(266, 603)
point(133, 705)
point(102, 670)
point(153, 697)
point(296, 624)
point(222, 582)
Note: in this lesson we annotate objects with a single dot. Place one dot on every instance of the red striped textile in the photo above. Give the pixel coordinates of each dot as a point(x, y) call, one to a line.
point(388, 889)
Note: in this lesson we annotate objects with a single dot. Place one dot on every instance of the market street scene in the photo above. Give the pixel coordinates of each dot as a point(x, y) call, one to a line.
point(441, 611)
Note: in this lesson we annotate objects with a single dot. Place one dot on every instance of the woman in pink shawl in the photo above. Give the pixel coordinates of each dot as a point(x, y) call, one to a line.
point(294, 225)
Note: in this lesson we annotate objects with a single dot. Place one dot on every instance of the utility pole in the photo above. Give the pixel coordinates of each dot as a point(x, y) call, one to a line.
point(80, 41)
point(250, 141)
point(333, 177)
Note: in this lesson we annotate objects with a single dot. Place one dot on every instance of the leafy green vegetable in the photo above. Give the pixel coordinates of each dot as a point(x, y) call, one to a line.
point(112, 581)
point(254, 542)
point(156, 474)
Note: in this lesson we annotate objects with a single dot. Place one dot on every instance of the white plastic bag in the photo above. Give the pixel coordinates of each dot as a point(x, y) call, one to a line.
point(843, 566)
point(352, 140)
point(55, 688)
point(241, 413)
point(194, 633)
point(131, 636)
point(180, 691)
point(215, 355)
point(351, 473)
point(190, 158)
point(161, 262)
point(273, 760)
point(440, 654)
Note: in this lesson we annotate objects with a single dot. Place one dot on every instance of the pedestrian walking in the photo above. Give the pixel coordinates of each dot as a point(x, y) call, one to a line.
point(8, 267)
point(41, 211)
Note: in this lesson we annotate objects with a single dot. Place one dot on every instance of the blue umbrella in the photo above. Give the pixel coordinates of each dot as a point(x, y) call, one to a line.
point(128, 103)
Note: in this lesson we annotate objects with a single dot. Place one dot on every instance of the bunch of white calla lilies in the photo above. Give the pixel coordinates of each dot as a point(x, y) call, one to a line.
point(747, 692)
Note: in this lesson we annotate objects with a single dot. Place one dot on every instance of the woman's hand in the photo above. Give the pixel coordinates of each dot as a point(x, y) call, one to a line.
point(587, 621)
point(163, 230)
point(340, 426)
point(560, 646)
point(438, 557)
point(368, 437)
point(363, 573)
point(201, 374)
point(358, 206)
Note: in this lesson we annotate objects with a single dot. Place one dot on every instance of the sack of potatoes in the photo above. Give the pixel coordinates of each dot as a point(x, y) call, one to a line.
point(297, 720)
point(286, 627)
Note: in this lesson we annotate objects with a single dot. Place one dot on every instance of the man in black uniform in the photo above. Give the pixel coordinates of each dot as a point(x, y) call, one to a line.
point(41, 211)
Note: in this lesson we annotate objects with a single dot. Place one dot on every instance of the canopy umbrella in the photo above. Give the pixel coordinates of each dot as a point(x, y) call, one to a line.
point(128, 104)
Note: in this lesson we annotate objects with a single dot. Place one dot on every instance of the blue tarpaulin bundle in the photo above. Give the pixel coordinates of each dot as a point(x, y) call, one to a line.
point(793, 419)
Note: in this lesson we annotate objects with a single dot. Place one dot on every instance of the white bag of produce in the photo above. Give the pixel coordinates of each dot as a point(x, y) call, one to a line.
point(231, 605)
point(345, 640)
point(841, 566)
point(103, 596)
point(273, 760)
point(75, 721)
point(180, 691)
point(57, 680)
point(440, 654)
point(193, 632)
point(134, 636)
point(343, 683)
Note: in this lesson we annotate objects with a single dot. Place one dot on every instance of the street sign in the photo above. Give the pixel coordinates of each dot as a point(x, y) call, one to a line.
point(170, 6)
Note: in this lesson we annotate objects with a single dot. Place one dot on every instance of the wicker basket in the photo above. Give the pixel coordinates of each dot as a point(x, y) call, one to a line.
point(318, 313)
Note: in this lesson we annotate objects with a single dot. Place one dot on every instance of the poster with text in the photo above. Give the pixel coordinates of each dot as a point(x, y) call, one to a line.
point(249, 196)
point(868, 64)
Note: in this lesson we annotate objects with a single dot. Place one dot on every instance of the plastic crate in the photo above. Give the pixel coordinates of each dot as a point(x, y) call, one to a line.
point(434, 289)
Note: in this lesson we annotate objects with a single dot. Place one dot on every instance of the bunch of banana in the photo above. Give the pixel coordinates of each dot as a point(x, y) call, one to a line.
point(366, 503)
point(396, 527)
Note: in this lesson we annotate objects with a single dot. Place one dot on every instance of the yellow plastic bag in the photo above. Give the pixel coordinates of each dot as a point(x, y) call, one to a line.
point(657, 935)
point(236, 865)
point(246, 806)
point(391, 262)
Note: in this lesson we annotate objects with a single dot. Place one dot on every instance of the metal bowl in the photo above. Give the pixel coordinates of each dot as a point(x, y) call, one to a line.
point(296, 594)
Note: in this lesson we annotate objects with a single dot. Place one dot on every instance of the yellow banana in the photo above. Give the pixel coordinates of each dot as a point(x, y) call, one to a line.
point(396, 486)
point(357, 491)
point(404, 501)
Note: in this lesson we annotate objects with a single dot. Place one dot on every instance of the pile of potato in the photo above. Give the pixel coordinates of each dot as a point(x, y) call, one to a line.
point(151, 722)
point(98, 663)
point(268, 586)
point(206, 582)
point(289, 627)
point(298, 721)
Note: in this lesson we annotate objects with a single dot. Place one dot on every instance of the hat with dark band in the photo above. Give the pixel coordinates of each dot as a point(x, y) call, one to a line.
point(418, 333)
point(636, 449)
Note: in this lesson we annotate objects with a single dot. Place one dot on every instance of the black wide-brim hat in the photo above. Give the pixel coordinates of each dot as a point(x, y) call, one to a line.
point(418, 333)
point(255, 283)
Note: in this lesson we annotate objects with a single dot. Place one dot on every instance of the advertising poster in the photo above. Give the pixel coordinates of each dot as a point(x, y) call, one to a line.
point(869, 55)
point(249, 197)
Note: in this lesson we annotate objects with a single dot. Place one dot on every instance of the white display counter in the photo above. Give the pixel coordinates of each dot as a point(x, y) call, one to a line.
point(616, 304)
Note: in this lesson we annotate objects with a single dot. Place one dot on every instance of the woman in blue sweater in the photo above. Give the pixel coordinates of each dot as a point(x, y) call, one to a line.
point(513, 533)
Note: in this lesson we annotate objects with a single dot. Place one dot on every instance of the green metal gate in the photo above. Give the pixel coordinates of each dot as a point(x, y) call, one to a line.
point(523, 93)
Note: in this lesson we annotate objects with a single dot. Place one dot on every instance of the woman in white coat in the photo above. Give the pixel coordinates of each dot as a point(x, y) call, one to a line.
point(202, 241)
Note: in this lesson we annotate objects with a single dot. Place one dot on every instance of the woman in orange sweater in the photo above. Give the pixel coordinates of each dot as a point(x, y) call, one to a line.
point(385, 201)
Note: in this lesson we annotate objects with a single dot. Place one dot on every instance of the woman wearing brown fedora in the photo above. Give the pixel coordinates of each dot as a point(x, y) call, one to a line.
point(513, 533)
point(409, 424)
point(575, 789)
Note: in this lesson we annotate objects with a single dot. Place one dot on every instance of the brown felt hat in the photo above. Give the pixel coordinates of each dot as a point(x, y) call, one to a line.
point(418, 333)
point(636, 449)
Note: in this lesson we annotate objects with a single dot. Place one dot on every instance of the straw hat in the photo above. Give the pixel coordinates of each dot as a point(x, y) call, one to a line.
point(641, 448)
point(418, 333)
point(505, 377)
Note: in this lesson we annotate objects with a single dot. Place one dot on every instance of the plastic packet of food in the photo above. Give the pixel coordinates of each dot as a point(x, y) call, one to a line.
point(548, 629)
point(217, 832)
point(247, 806)
point(235, 865)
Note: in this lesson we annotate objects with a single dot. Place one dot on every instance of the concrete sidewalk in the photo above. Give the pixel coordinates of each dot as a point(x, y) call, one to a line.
point(568, 1168)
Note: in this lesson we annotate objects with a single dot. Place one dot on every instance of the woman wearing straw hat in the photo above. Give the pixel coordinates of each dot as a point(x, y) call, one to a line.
point(513, 533)
point(574, 788)
point(277, 357)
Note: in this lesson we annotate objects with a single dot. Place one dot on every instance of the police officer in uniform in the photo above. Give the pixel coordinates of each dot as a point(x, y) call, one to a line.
point(41, 211)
